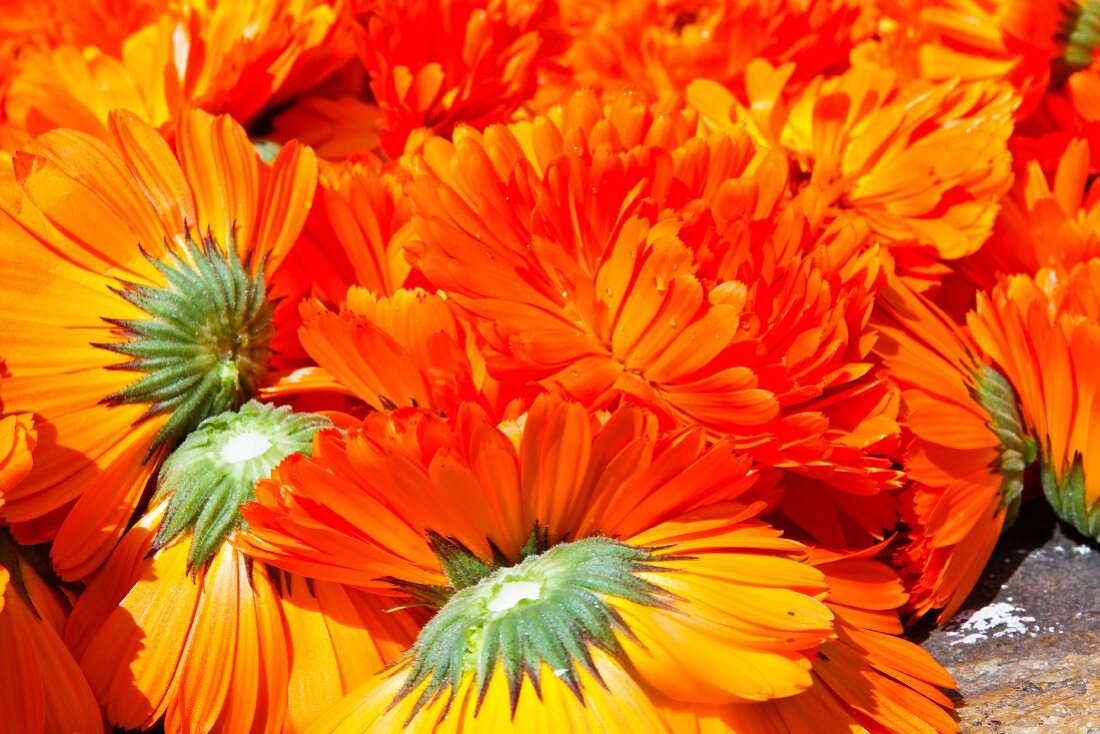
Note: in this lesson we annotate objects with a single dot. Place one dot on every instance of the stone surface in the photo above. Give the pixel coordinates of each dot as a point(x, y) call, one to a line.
point(1025, 649)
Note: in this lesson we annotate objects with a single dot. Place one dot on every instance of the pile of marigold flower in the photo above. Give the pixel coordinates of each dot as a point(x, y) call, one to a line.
point(531, 365)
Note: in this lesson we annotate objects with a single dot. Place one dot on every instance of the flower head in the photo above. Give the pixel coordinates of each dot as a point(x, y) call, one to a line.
point(966, 450)
point(648, 542)
point(614, 581)
point(1043, 334)
point(248, 645)
point(610, 254)
point(186, 55)
point(441, 63)
point(892, 153)
point(124, 331)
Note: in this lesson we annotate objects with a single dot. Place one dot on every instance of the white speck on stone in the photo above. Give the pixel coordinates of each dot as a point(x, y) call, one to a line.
point(1059, 549)
point(1082, 550)
point(243, 447)
point(996, 620)
point(512, 593)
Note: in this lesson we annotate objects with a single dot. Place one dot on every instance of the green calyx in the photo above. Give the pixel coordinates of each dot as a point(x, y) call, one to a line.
point(1018, 450)
point(549, 609)
point(1067, 497)
point(215, 470)
point(1080, 34)
point(206, 343)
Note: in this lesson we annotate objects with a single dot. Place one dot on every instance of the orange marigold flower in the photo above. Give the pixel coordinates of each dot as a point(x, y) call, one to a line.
point(965, 453)
point(920, 163)
point(661, 46)
point(237, 648)
point(560, 508)
point(439, 63)
point(191, 55)
point(1043, 332)
point(42, 689)
point(122, 332)
point(632, 560)
point(608, 253)
point(181, 625)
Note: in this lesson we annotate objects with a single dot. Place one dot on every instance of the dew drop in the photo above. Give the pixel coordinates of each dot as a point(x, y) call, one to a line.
point(673, 322)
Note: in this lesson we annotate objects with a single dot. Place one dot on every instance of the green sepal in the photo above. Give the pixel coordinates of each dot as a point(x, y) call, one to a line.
point(1080, 34)
point(475, 633)
point(461, 567)
point(207, 489)
point(205, 347)
point(1018, 450)
point(1067, 497)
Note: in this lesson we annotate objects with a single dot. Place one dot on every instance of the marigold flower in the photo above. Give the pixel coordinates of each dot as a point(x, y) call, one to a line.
point(965, 453)
point(606, 252)
point(920, 163)
point(42, 689)
point(1044, 334)
point(121, 331)
point(409, 487)
point(180, 625)
point(190, 55)
point(439, 63)
point(614, 555)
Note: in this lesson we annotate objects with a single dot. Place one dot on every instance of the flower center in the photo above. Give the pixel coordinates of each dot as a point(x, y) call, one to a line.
point(215, 470)
point(1018, 450)
point(206, 343)
point(244, 447)
point(546, 611)
point(511, 593)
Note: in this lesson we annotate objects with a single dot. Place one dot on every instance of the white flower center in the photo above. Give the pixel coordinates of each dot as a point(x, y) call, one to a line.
point(511, 593)
point(243, 447)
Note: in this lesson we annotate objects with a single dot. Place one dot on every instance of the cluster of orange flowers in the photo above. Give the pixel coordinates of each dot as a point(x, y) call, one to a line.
point(531, 365)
